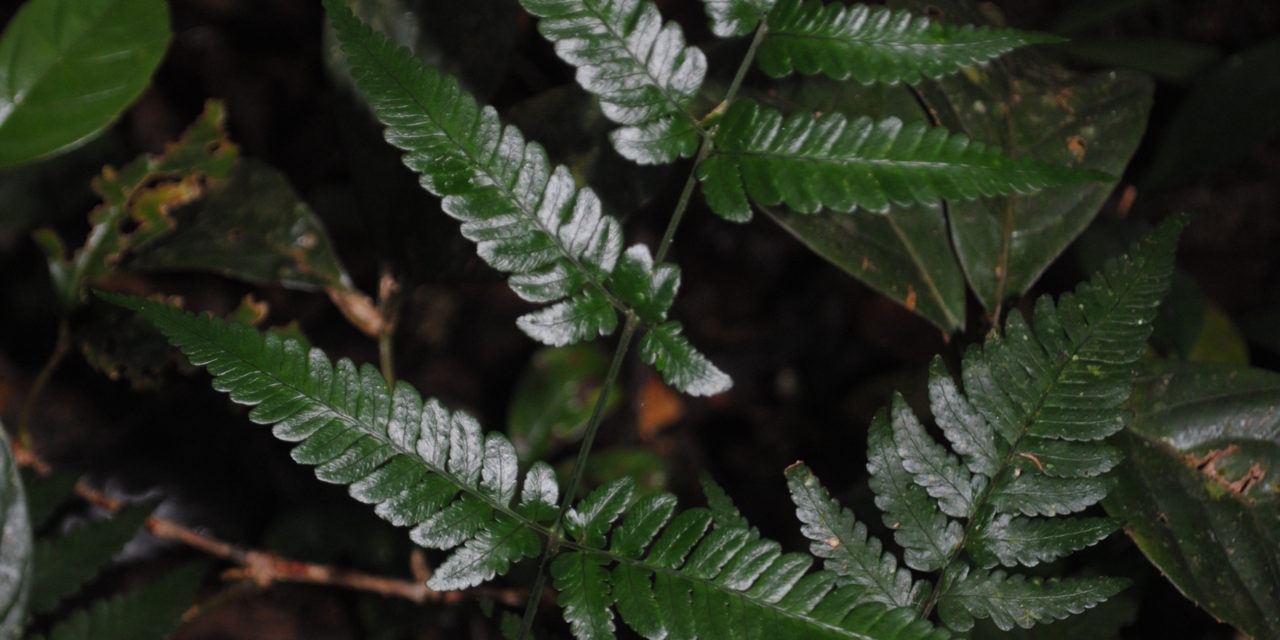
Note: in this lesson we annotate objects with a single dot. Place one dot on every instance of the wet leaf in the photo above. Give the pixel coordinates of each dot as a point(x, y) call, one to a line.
point(1221, 119)
point(904, 254)
point(1039, 111)
point(68, 68)
point(554, 398)
point(1200, 490)
point(252, 227)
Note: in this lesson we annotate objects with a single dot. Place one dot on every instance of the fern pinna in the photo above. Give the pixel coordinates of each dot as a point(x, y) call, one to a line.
point(1026, 431)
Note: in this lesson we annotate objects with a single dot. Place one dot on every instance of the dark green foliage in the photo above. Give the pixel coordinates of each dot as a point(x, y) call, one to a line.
point(527, 217)
point(1200, 488)
point(641, 69)
point(996, 503)
point(877, 44)
point(809, 163)
point(151, 612)
point(63, 565)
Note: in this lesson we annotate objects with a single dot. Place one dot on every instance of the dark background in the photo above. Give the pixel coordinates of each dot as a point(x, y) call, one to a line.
point(813, 352)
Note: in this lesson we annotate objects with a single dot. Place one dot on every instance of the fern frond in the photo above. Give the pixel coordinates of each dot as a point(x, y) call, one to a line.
point(809, 163)
point(674, 577)
point(526, 216)
point(151, 612)
point(640, 68)
point(63, 565)
point(418, 464)
point(736, 17)
point(1028, 428)
point(853, 555)
point(877, 44)
point(1019, 601)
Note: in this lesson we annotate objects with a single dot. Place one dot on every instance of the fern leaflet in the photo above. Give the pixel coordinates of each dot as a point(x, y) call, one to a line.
point(640, 68)
point(526, 217)
point(65, 564)
point(809, 163)
point(1027, 429)
point(736, 17)
point(877, 44)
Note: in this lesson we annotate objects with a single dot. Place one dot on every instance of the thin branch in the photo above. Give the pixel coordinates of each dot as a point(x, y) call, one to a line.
point(264, 568)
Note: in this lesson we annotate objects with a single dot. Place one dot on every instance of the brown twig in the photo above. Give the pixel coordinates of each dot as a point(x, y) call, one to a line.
point(264, 568)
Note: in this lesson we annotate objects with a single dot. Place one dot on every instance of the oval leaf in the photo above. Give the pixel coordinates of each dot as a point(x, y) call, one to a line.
point(68, 68)
point(1199, 490)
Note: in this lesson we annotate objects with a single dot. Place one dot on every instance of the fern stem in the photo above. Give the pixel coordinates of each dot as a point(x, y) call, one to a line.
point(704, 149)
point(741, 75)
point(579, 468)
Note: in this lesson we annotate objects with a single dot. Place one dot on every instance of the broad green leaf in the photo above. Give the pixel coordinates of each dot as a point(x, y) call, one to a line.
point(848, 550)
point(16, 553)
point(1168, 60)
point(64, 564)
point(252, 227)
point(1208, 133)
point(877, 44)
point(68, 68)
point(640, 68)
point(809, 163)
point(905, 254)
point(1199, 491)
point(1036, 112)
point(736, 17)
point(682, 367)
point(554, 397)
point(136, 201)
point(1018, 601)
point(150, 612)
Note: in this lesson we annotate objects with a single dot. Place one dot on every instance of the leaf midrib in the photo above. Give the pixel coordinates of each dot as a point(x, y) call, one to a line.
point(481, 167)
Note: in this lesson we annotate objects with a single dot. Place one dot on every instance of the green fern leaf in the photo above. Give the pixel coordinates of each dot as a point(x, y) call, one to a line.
point(420, 465)
point(149, 613)
point(640, 68)
point(850, 552)
point(1011, 601)
point(877, 44)
point(736, 17)
point(583, 583)
point(63, 565)
point(932, 467)
point(809, 163)
point(526, 217)
point(681, 365)
point(961, 423)
point(928, 536)
point(1015, 540)
point(724, 513)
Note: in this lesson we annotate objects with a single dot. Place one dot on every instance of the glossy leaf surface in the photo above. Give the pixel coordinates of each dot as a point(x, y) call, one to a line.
point(640, 68)
point(872, 44)
point(1199, 491)
point(809, 163)
point(68, 68)
point(736, 17)
point(1034, 111)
